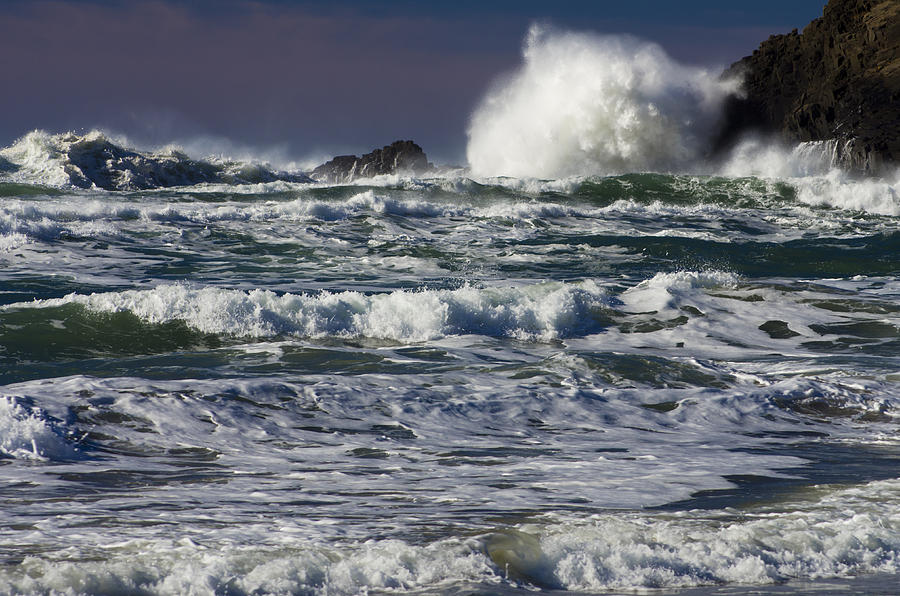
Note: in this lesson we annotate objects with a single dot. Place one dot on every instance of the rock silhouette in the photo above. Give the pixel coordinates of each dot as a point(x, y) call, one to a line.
point(400, 157)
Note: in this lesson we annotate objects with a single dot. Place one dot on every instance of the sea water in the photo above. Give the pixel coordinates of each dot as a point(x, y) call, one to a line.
point(483, 381)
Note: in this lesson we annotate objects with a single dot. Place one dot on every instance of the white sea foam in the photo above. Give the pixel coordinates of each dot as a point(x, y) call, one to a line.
point(542, 311)
point(837, 190)
point(47, 219)
point(811, 169)
point(587, 104)
point(665, 290)
point(27, 433)
point(849, 531)
point(12, 234)
point(10, 242)
point(382, 204)
point(828, 533)
point(35, 159)
point(757, 156)
point(480, 417)
point(94, 160)
point(175, 568)
point(729, 315)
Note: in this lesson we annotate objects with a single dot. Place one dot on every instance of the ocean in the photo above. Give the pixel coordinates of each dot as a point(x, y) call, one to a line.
point(452, 383)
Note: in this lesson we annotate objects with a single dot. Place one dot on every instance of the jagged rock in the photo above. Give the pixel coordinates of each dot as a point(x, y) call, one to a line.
point(837, 80)
point(400, 157)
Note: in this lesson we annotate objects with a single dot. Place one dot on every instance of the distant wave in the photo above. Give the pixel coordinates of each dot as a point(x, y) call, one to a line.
point(521, 201)
point(95, 161)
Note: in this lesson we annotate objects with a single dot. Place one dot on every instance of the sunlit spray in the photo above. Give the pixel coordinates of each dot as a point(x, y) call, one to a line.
point(584, 104)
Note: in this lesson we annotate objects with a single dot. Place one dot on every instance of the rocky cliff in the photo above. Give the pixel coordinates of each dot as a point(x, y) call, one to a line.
point(400, 157)
point(837, 80)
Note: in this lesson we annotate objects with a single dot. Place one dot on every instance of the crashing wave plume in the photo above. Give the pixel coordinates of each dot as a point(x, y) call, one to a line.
point(585, 104)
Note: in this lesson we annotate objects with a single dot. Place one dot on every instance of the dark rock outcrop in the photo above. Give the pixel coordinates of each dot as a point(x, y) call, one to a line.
point(400, 157)
point(838, 80)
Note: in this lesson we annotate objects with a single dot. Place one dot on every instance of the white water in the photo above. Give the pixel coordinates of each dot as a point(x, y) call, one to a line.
point(469, 380)
point(95, 160)
point(572, 150)
point(826, 534)
point(811, 168)
point(541, 312)
point(585, 104)
point(544, 311)
point(591, 105)
point(27, 434)
point(849, 531)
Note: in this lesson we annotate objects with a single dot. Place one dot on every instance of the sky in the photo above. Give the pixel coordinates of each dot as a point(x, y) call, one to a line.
point(308, 79)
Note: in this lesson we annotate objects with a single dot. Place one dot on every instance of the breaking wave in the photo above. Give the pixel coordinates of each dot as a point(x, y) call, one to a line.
point(768, 546)
point(27, 433)
point(39, 163)
point(95, 161)
point(592, 105)
point(542, 311)
point(849, 532)
point(584, 104)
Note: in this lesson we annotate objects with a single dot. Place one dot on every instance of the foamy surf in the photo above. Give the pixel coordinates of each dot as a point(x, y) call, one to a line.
point(29, 434)
point(761, 547)
point(627, 368)
point(542, 312)
point(93, 160)
point(607, 552)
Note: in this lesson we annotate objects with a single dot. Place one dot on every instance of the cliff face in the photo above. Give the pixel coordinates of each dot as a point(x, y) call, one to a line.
point(839, 79)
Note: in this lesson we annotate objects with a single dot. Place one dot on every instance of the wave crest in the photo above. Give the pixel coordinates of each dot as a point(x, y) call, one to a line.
point(95, 161)
point(539, 312)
